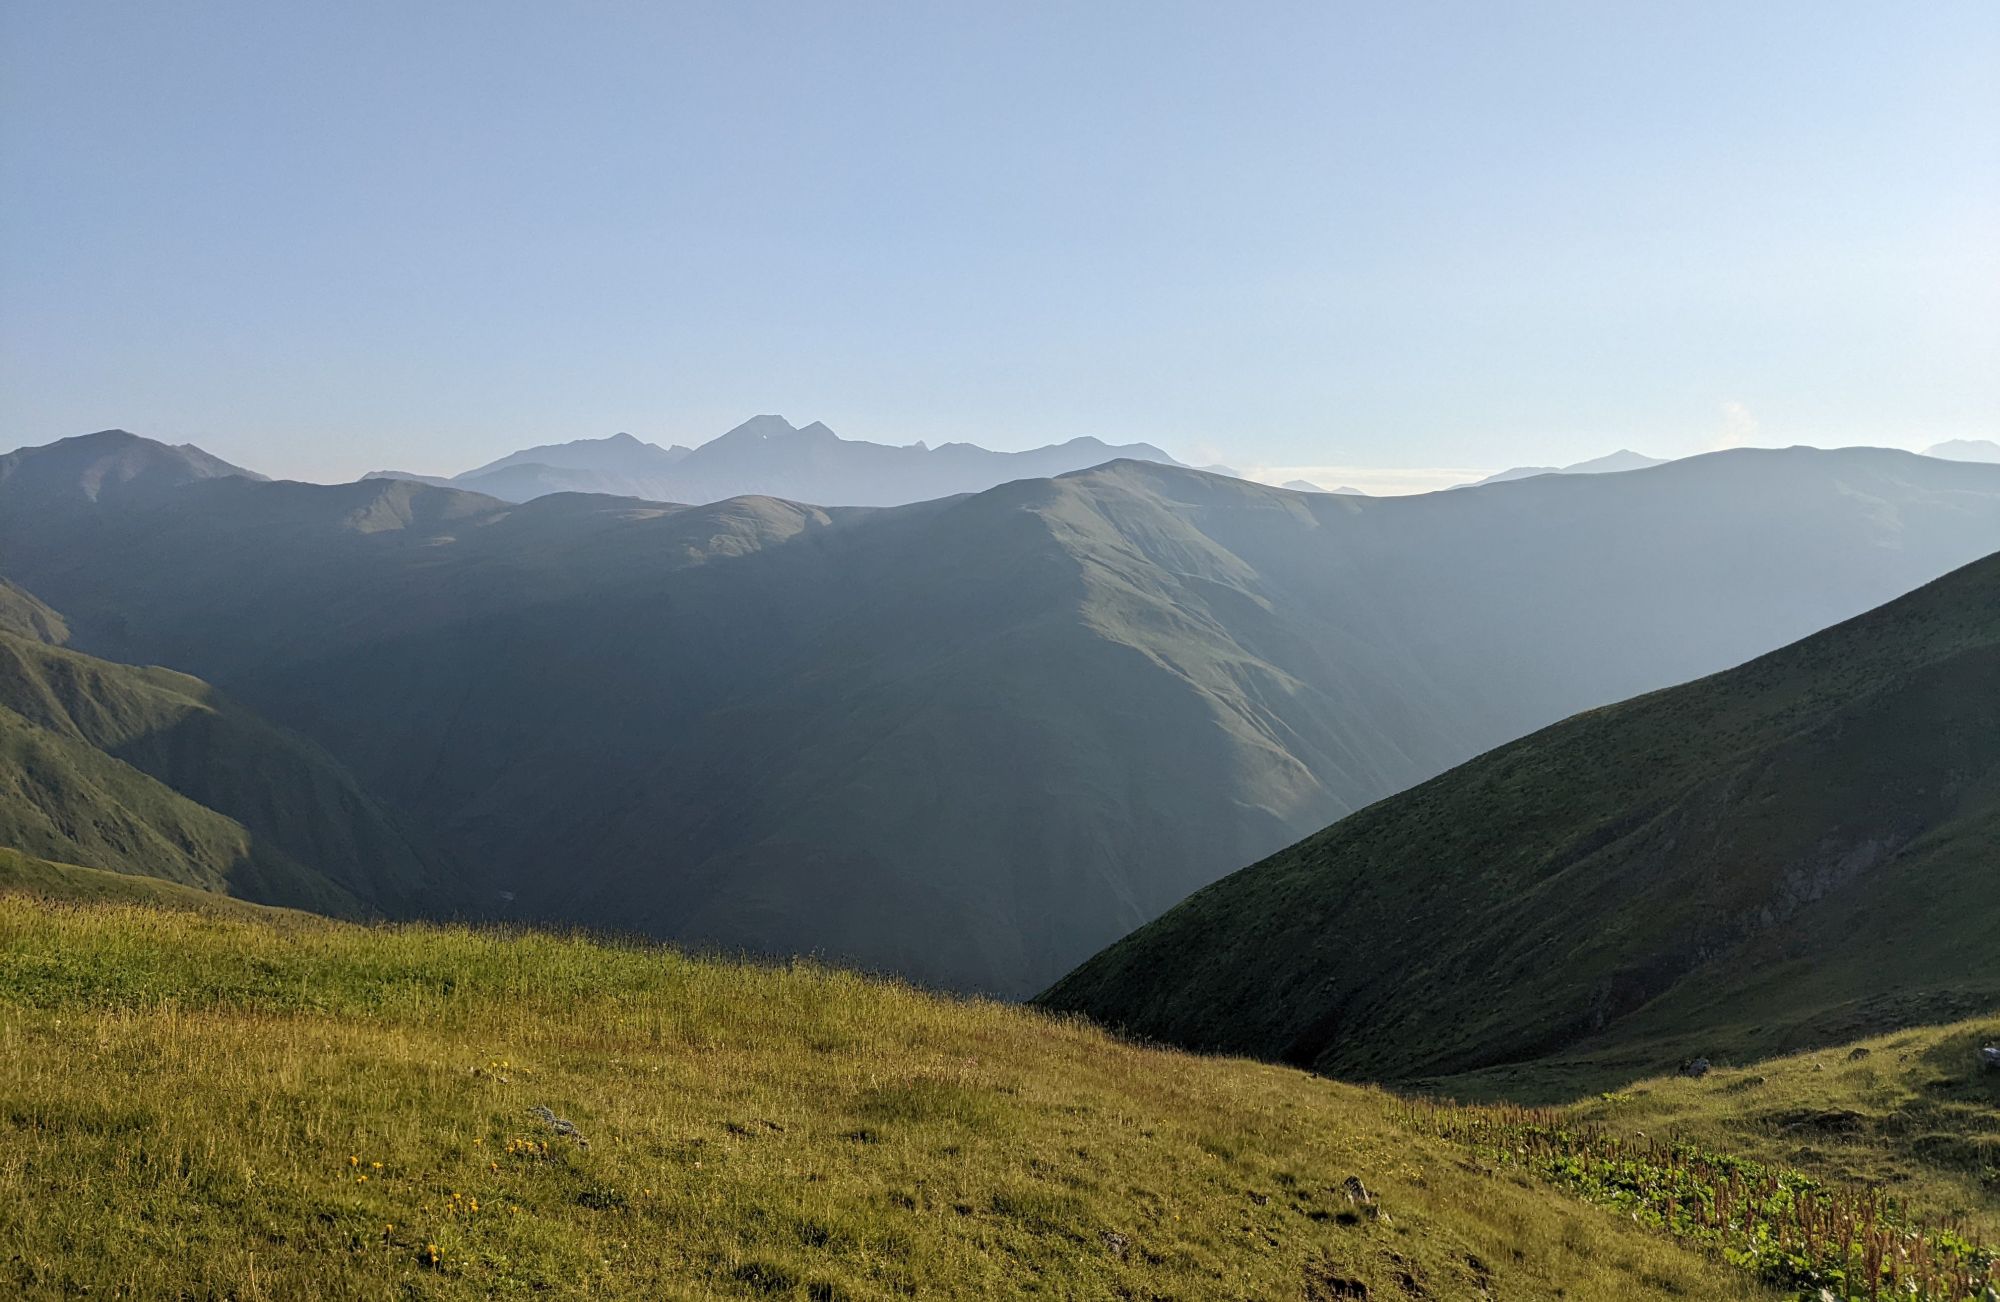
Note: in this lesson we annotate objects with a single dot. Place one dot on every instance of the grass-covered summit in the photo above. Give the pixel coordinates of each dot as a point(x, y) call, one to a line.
point(1799, 850)
point(202, 1105)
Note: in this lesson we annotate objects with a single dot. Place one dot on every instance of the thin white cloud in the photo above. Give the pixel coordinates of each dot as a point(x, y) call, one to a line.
point(1740, 428)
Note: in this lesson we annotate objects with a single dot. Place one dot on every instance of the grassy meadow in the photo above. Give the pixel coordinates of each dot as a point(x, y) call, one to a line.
point(1913, 1113)
point(203, 1105)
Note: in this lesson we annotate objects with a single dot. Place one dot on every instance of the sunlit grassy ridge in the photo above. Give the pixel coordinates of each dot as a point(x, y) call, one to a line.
point(1824, 1242)
point(196, 1105)
point(1863, 1170)
point(25, 616)
point(1913, 1112)
point(22, 872)
point(145, 770)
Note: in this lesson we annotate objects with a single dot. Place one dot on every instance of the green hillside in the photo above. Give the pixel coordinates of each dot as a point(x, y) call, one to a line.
point(1795, 852)
point(23, 616)
point(1912, 1111)
point(62, 881)
point(970, 741)
point(153, 772)
point(203, 1106)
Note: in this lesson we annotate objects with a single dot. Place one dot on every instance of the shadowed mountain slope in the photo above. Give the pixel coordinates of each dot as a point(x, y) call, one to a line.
point(975, 739)
point(1795, 851)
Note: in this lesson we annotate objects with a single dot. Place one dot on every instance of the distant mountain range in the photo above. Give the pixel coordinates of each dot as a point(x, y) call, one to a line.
point(970, 740)
point(767, 455)
point(1308, 486)
point(1791, 853)
point(1610, 464)
point(1622, 460)
point(1965, 450)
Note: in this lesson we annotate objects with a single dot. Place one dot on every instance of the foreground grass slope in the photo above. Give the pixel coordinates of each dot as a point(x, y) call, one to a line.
point(1797, 851)
point(197, 1105)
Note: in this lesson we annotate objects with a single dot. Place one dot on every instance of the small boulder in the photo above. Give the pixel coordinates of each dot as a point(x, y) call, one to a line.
point(1695, 1068)
point(1990, 1055)
point(561, 1125)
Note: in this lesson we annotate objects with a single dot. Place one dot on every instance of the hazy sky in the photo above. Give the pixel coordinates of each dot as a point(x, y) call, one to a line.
point(323, 238)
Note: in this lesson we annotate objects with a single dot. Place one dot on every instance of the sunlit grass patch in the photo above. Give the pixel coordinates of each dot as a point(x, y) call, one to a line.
point(1823, 1241)
point(194, 1105)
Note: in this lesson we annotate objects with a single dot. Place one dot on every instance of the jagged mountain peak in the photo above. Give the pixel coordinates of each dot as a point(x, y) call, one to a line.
point(757, 428)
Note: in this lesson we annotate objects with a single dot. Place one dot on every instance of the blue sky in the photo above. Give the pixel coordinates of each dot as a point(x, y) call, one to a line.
point(319, 239)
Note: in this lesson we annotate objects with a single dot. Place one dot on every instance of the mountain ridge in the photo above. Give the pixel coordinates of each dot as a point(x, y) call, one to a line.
point(767, 455)
point(1611, 463)
point(24, 615)
point(907, 738)
point(151, 772)
point(113, 461)
point(1965, 450)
